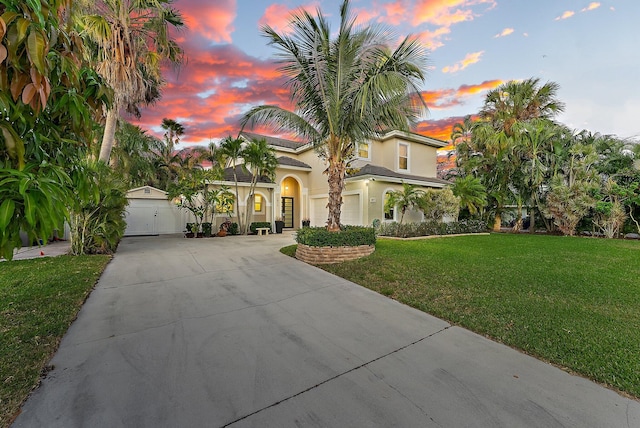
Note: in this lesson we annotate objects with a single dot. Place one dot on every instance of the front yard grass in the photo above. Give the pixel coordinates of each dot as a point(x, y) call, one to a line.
point(574, 302)
point(39, 299)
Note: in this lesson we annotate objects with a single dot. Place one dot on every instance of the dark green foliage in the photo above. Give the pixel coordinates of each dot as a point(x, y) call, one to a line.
point(97, 215)
point(256, 224)
point(411, 230)
point(348, 236)
point(206, 228)
point(234, 229)
point(32, 200)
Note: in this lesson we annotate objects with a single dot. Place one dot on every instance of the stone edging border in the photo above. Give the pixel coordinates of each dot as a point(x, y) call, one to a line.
point(327, 255)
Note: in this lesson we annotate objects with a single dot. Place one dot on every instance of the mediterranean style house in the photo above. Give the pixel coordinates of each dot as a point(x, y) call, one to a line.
point(300, 190)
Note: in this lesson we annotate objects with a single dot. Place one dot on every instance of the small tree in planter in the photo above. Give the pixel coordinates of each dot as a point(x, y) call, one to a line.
point(189, 190)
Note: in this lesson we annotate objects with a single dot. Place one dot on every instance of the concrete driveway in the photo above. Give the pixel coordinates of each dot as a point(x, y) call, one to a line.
point(229, 332)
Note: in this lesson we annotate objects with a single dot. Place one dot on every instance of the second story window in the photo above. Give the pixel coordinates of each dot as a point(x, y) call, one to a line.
point(364, 151)
point(403, 157)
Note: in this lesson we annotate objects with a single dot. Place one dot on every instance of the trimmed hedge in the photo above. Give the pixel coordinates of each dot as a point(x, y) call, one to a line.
point(411, 230)
point(348, 236)
point(256, 224)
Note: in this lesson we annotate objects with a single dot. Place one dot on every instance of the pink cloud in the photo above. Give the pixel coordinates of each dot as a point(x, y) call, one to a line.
point(213, 20)
point(277, 16)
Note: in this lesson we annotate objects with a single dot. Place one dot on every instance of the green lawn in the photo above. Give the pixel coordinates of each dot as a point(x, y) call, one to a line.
point(572, 301)
point(38, 301)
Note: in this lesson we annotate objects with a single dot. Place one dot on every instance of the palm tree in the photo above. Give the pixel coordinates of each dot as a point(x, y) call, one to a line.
point(260, 161)
point(472, 194)
point(133, 156)
point(346, 89)
point(514, 102)
point(174, 131)
point(535, 150)
point(231, 148)
point(407, 198)
point(132, 40)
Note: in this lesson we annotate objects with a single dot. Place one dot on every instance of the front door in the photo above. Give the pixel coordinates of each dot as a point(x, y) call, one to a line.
point(287, 211)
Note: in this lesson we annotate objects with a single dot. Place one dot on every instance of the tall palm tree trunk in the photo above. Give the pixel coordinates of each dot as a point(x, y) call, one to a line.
point(532, 214)
point(337, 171)
point(497, 222)
point(239, 213)
point(109, 135)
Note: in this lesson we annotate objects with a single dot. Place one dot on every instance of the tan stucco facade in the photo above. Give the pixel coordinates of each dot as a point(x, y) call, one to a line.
point(300, 188)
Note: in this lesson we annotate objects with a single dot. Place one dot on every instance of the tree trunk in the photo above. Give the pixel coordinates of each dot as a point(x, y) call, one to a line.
point(532, 216)
point(109, 135)
point(497, 222)
point(337, 170)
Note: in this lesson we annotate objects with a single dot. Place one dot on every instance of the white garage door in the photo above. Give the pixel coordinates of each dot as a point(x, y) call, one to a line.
point(153, 217)
point(351, 210)
point(319, 212)
point(350, 213)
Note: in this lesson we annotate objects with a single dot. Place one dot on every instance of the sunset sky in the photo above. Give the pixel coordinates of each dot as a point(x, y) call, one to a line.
point(591, 49)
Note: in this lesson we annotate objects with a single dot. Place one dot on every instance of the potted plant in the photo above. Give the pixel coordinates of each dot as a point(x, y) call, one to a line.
point(279, 225)
point(190, 230)
point(306, 222)
point(206, 229)
point(224, 227)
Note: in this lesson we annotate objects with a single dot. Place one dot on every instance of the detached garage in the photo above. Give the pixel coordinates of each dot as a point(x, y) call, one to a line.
point(150, 213)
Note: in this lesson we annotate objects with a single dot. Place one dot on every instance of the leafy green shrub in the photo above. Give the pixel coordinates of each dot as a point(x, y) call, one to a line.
point(410, 230)
point(206, 228)
point(348, 236)
point(233, 229)
point(256, 224)
point(97, 216)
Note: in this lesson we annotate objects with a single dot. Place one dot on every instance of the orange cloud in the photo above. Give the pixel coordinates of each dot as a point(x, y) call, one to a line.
point(465, 90)
point(446, 98)
point(505, 32)
point(565, 15)
point(213, 20)
point(469, 59)
point(592, 6)
point(446, 12)
point(277, 16)
point(440, 129)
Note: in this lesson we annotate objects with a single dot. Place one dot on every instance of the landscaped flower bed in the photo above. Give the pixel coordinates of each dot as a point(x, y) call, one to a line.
point(317, 245)
point(411, 230)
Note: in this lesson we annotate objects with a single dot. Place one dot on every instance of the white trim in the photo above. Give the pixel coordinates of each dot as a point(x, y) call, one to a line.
point(147, 187)
point(385, 179)
point(370, 146)
point(408, 146)
point(295, 168)
point(241, 184)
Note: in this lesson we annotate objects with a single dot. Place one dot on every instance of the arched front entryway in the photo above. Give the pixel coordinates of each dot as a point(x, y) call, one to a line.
point(290, 202)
